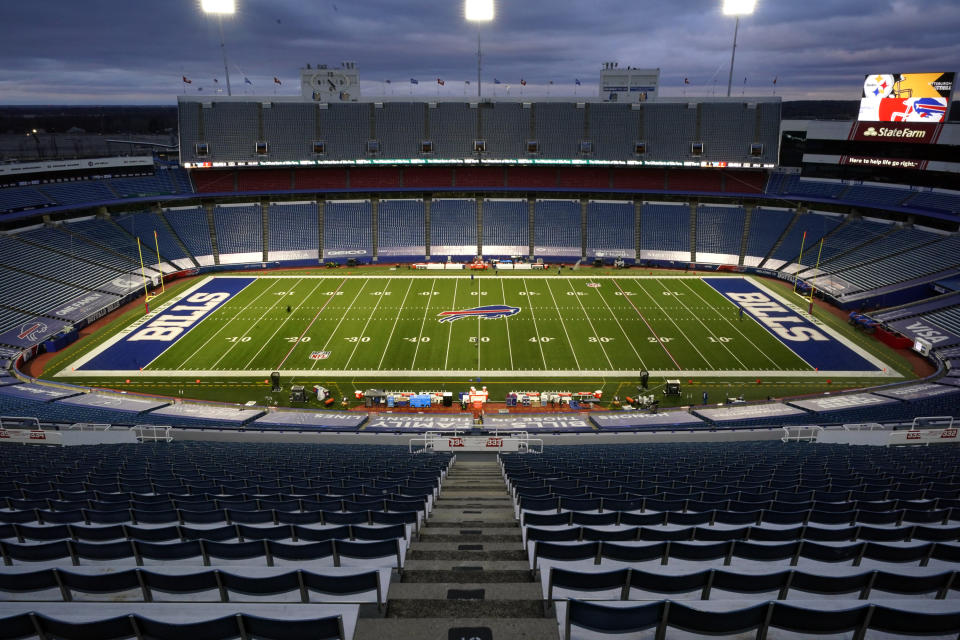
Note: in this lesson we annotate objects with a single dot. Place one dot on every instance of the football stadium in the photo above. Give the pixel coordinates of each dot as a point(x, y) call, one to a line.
point(363, 360)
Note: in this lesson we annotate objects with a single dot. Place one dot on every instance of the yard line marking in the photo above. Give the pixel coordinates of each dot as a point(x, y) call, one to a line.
point(637, 353)
point(250, 325)
point(399, 311)
point(478, 327)
point(534, 316)
point(446, 355)
point(659, 341)
point(590, 322)
point(277, 330)
point(709, 330)
point(343, 317)
point(367, 324)
point(734, 326)
point(506, 321)
point(423, 323)
point(674, 322)
point(564, 325)
point(224, 325)
point(319, 311)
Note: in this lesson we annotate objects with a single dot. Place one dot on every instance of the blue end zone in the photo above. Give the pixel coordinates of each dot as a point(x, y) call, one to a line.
point(141, 346)
point(808, 341)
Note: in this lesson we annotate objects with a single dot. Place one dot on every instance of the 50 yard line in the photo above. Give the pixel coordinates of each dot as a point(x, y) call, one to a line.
point(294, 345)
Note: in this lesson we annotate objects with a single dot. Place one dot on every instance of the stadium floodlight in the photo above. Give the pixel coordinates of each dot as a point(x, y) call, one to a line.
point(736, 8)
point(478, 11)
point(221, 8)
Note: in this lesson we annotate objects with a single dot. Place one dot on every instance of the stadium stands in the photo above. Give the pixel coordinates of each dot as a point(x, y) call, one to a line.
point(347, 229)
point(192, 229)
point(767, 224)
point(400, 229)
point(239, 229)
point(665, 232)
point(279, 541)
point(805, 230)
point(611, 229)
point(453, 228)
point(557, 226)
point(719, 232)
point(850, 235)
point(506, 228)
point(293, 231)
point(144, 224)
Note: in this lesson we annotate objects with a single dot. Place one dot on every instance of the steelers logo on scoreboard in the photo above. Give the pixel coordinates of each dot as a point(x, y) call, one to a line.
point(878, 86)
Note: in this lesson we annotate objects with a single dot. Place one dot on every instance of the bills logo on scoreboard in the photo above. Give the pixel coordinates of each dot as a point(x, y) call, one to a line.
point(319, 355)
point(489, 312)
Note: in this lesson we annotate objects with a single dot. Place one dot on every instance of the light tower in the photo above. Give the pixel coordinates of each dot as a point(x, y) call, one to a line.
point(736, 8)
point(221, 8)
point(478, 11)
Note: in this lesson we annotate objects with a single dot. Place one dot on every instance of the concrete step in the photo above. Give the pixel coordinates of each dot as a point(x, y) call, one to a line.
point(455, 535)
point(471, 573)
point(463, 608)
point(463, 516)
point(447, 545)
point(446, 628)
point(471, 524)
point(467, 555)
point(441, 590)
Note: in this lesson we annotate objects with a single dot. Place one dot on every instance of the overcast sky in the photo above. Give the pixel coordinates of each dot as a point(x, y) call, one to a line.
point(135, 51)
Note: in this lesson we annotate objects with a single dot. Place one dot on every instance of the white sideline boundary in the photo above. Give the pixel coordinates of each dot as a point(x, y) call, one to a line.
point(882, 372)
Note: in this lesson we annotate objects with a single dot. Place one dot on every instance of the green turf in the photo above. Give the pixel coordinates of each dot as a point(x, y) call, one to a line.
point(390, 324)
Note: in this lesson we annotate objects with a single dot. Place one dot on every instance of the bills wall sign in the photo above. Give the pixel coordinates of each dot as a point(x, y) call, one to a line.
point(489, 312)
point(33, 331)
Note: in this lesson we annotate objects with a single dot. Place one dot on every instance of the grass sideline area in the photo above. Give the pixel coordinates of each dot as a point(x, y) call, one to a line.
point(567, 335)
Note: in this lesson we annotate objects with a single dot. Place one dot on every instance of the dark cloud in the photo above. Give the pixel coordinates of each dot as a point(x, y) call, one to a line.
point(118, 51)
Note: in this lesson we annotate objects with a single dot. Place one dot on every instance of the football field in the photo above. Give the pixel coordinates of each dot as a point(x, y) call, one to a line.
point(493, 325)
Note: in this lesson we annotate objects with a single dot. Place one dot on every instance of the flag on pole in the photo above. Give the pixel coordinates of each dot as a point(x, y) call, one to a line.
point(414, 81)
point(246, 80)
point(276, 80)
point(495, 81)
point(523, 82)
point(387, 81)
point(187, 80)
point(440, 82)
point(577, 81)
point(551, 82)
point(686, 81)
point(775, 79)
point(466, 82)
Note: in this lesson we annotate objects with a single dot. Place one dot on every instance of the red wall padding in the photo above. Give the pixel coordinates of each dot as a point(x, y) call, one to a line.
point(264, 180)
point(695, 180)
point(428, 177)
point(532, 177)
point(745, 181)
point(320, 179)
point(646, 179)
point(583, 178)
point(379, 178)
point(212, 181)
point(479, 177)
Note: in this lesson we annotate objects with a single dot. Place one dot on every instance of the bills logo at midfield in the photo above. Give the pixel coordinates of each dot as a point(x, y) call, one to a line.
point(489, 312)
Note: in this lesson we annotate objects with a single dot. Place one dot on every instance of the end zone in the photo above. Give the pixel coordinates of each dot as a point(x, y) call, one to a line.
point(814, 342)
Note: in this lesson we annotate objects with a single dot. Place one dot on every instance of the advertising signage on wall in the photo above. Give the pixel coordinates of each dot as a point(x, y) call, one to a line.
point(912, 133)
point(905, 97)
